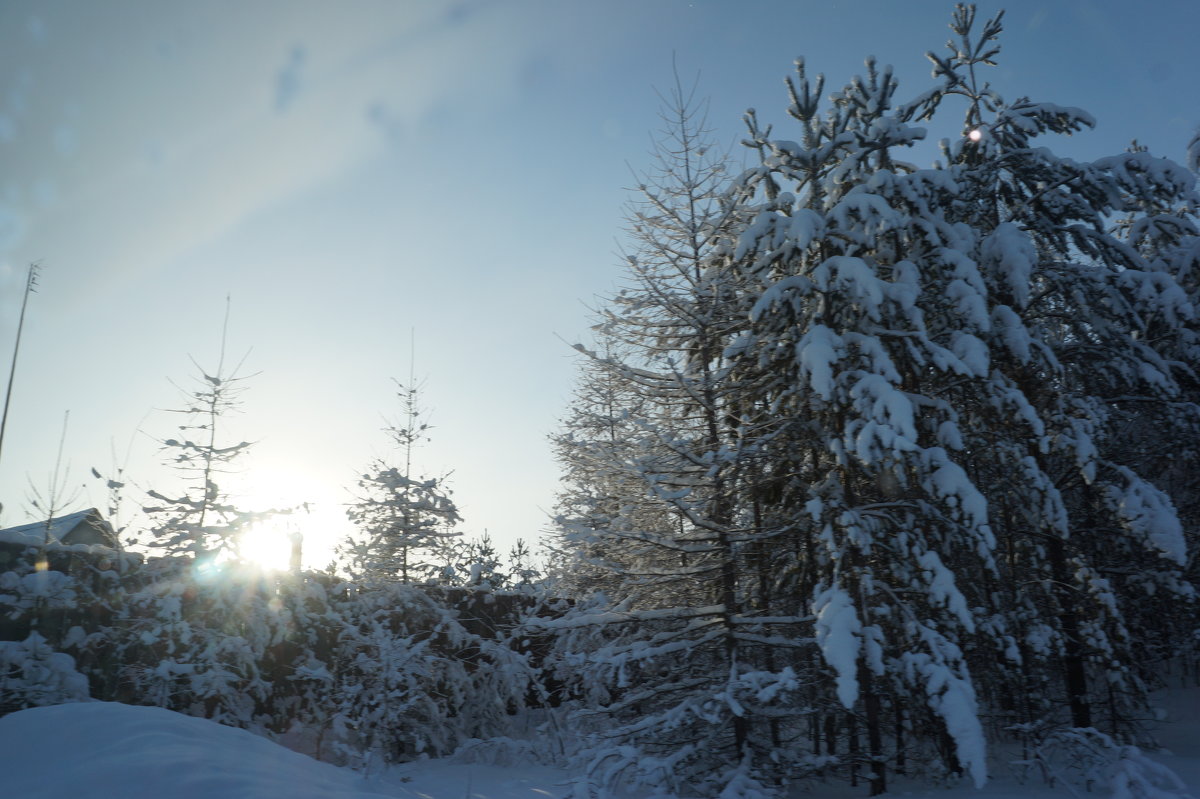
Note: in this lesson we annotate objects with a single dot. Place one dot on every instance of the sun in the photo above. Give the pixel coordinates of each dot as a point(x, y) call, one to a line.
point(270, 544)
point(310, 518)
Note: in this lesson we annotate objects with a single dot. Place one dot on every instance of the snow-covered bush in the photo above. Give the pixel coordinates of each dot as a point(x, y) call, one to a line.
point(344, 671)
point(411, 681)
point(1087, 758)
point(32, 674)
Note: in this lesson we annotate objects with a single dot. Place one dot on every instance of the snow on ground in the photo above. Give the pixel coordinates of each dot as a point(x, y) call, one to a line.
point(103, 749)
point(113, 751)
point(1179, 735)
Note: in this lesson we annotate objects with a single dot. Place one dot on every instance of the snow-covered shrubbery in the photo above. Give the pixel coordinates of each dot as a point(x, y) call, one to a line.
point(349, 672)
point(1088, 759)
point(412, 681)
point(32, 674)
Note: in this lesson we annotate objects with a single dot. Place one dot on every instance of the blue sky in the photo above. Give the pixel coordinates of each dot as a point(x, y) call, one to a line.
point(350, 173)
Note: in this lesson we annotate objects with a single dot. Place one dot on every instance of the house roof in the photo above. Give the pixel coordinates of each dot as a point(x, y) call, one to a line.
point(34, 534)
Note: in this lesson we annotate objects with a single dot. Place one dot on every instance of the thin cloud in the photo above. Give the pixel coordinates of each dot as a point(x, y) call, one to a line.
point(289, 81)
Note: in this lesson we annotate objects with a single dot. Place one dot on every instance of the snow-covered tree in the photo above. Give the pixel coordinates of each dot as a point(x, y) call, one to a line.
point(1087, 534)
point(662, 454)
point(58, 604)
point(476, 563)
point(881, 416)
point(412, 681)
point(958, 339)
point(201, 521)
point(404, 519)
point(34, 605)
point(197, 642)
point(33, 674)
point(594, 498)
point(1161, 439)
point(524, 572)
point(868, 313)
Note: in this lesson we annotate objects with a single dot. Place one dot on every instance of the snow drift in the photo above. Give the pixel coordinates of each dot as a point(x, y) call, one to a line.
point(109, 749)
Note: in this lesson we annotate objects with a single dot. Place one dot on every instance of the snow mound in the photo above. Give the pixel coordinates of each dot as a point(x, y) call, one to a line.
point(109, 749)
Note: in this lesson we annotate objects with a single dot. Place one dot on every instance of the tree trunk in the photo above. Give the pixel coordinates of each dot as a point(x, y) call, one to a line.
point(871, 705)
point(1074, 668)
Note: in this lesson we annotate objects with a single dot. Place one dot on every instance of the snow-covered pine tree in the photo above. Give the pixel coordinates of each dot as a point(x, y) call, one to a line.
point(1078, 319)
point(868, 315)
point(477, 564)
point(404, 520)
point(34, 674)
point(525, 574)
point(407, 677)
point(194, 625)
point(912, 376)
point(1161, 439)
point(300, 661)
point(198, 645)
point(954, 340)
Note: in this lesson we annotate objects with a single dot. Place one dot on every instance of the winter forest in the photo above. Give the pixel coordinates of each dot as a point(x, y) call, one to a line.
point(873, 471)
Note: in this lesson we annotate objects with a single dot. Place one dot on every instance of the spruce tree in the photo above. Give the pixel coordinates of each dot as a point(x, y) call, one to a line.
point(404, 519)
point(201, 521)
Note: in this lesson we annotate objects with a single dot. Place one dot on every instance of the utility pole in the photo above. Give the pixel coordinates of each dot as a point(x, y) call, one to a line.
point(30, 287)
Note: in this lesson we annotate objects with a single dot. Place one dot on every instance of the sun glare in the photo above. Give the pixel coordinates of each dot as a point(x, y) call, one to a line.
point(312, 517)
point(268, 544)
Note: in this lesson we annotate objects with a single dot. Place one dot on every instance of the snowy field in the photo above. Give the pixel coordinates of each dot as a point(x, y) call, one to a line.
point(105, 749)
